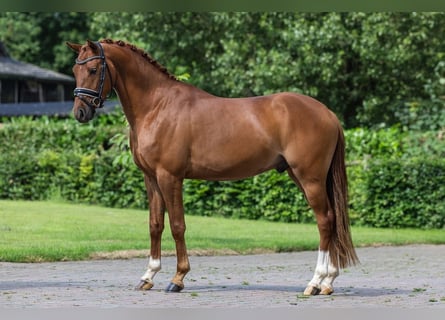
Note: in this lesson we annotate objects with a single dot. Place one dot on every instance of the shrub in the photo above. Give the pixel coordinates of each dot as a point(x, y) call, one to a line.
point(270, 196)
point(116, 184)
point(409, 193)
point(363, 144)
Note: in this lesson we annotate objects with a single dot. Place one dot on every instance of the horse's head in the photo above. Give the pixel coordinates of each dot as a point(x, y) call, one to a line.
point(92, 84)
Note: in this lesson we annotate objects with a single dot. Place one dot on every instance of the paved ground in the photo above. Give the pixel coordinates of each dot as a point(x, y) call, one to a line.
point(407, 277)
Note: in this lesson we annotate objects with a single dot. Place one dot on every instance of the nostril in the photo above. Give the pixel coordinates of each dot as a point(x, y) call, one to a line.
point(80, 114)
point(83, 113)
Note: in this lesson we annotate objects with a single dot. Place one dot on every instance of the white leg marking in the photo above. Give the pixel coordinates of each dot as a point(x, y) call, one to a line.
point(154, 265)
point(327, 283)
point(325, 272)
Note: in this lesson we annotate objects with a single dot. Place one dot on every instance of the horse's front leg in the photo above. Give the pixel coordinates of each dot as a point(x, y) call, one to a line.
point(171, 188)
point(157, 210)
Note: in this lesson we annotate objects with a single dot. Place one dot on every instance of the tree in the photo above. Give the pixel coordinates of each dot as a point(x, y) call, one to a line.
point(57, 28)
point(39, 38)
point(19, 32)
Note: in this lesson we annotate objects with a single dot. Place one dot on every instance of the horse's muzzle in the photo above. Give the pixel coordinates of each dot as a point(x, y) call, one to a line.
point(83, 113)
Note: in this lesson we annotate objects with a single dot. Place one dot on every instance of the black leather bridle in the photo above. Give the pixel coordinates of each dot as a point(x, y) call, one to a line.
point(82, 93)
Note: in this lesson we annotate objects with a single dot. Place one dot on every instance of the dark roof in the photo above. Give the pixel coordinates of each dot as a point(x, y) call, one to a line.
point(13, 69)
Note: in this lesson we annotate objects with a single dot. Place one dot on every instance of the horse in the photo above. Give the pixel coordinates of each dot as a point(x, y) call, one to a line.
point(178, 131)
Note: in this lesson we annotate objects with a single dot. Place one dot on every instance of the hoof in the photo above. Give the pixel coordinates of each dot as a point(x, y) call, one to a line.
point(311, 291)
point(173, 287)
point(326, 290)
point(144, 285)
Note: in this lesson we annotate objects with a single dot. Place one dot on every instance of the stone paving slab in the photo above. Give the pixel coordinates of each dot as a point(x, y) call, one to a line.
point(401, 277)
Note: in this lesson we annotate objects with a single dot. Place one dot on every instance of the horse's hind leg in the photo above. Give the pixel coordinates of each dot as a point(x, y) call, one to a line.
point(325, 273)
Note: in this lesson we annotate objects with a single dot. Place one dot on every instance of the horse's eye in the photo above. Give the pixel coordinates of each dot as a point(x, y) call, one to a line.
point(93, 71)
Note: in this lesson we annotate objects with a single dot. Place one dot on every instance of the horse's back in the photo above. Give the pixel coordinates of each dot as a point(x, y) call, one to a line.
point(274, 109)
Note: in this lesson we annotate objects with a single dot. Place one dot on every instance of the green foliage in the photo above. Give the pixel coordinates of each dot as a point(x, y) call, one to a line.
point(363, 144)
point(396, 178)
point(19, 32)
point(58, 158)
point(270, 196)
point(421, 115)
point(39, 37)
point(405, 194)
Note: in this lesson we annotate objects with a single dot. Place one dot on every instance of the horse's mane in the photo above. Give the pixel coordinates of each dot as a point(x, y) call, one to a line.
point(144, 54)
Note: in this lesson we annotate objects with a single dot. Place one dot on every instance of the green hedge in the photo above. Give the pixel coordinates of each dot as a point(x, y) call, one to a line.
point(395, 177)
point(271, 196)
point(48, 159)
point(407, 193)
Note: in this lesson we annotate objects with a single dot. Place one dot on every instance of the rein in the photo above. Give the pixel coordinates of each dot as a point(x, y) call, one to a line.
point(96, 95)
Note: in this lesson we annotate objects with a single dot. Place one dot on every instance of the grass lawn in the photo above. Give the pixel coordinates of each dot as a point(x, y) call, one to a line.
point(51, 231)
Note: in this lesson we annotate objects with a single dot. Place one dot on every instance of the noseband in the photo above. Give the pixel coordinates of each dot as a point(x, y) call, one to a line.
point(97, 101)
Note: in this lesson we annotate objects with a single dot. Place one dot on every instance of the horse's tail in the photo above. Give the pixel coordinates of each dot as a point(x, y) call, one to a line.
point(341, 249)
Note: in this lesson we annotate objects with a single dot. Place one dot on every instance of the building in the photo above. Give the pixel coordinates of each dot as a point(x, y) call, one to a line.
point(26, 89)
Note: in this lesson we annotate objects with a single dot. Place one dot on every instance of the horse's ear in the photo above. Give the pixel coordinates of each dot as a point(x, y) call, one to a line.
point(92, 45)
point(74, 46)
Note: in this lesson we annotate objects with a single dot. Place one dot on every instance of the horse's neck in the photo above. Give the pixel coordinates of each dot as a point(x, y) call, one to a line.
point(137, 90)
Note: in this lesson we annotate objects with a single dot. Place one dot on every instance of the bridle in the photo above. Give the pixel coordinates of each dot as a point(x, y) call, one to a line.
point(82, 93)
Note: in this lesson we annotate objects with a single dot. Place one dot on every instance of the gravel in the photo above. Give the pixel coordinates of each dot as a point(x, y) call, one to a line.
point(401, 277)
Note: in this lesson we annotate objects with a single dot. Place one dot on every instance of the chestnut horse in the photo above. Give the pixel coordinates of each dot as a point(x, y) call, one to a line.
point(178, 132)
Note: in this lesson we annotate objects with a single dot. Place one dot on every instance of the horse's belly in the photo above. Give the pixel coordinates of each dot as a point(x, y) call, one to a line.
point(233, 167)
